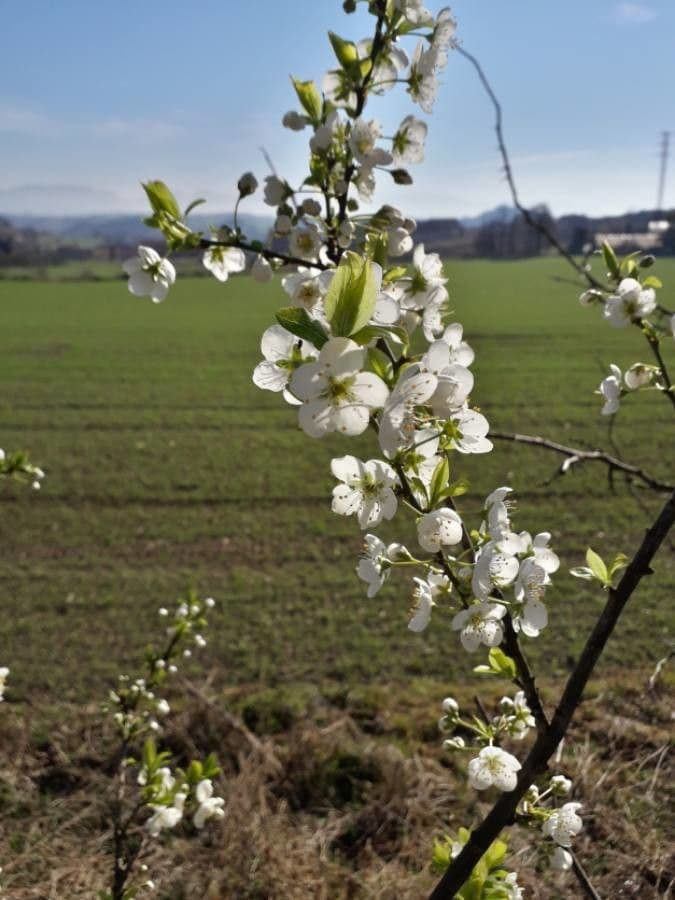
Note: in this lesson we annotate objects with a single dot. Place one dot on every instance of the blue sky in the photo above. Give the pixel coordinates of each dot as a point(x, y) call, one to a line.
point(95, 97)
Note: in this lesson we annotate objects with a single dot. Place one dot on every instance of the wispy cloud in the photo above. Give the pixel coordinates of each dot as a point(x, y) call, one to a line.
point(146, 131)
point(17, 119)
point(632, 14)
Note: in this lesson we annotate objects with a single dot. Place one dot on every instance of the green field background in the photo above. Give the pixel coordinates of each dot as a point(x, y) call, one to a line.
point(166, 468)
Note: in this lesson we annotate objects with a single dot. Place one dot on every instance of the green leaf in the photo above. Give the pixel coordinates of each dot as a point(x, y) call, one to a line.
point(193, 205)
point(161, 199)
point(611, 261)
point(309, 97)
point(377, 247)
point(502, 664)
point(350, 300)
point(345, 51)
point(652, 282)
point(298, 321)
point(441, 855)
point(456, 488)
point(495, 854)
point(597, 566)
point(374, 332)
point(439, 480)
point(619, 562)
point(381, 365)
point(149, 754)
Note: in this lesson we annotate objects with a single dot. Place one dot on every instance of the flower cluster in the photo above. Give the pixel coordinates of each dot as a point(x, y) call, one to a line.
point(165, 795)
point(493, 766)
point(135, 704)
point(632, 302)
point(18, 466)
point(169, 795)
point(559, 824)
point(365, 344)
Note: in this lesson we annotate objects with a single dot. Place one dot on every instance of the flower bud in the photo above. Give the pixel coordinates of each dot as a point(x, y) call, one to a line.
point(311, 207)
point(454, 743)
point(247, 184)
point(261, 270)
point(560, 784)
point(451, 706)
point(401, 176)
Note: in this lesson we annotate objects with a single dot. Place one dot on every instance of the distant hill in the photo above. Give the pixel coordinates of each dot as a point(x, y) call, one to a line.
point(499, 233)
point(128, 229)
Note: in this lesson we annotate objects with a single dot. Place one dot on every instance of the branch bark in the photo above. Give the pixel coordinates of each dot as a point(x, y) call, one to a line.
point(503, 812)
point(575, 455)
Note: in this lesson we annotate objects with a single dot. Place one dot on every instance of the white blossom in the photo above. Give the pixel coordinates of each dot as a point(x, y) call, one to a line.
point(283, 225)
point(560, 784)
point(283, 353)
point(610, 388)
point(166, 817)
point(397, 422)
point(413, 11)
point(424, 598)
point(373, 567)
point(443, 37)
point(276, 190)
point(563, 824)
point(469, 431)
point(221, 262)
point(305, 243)
point(422, 81)
point(426, 280)
point(518, 714)
point(366, 490)
point(4, 672)
point(363, 143)
point(336, 395)
point(631, 301)
point(561, 859)
point(408, 142)
point(210, 807)
point(480, 624)
point(638, 376)
point(494, 569)
point(261, 270)
point(493, 767)
point(439, 528)
point(311, 207)
point(307, 286)
point(149, 274)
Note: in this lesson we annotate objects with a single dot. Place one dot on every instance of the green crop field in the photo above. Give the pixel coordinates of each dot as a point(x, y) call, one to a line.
point(167, 468)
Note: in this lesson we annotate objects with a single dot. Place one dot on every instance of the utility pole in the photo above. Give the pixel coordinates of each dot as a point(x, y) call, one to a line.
point(665, 149)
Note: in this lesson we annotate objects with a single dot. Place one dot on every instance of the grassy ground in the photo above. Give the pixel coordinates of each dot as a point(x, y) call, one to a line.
point(167, 468)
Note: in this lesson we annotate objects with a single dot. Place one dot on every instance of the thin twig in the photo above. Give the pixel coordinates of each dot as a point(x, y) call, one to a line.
point(205, 243)
point(575, 455)
point(508, 172)
point(583, 878)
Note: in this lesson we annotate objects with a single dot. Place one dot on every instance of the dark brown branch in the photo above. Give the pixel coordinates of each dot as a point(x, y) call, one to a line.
point(655, 346)
point(503, 812)
point(575, 455)
point(508, 172)
point(205, 243)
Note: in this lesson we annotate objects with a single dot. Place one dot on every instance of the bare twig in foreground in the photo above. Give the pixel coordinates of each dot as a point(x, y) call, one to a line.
point(575, 455)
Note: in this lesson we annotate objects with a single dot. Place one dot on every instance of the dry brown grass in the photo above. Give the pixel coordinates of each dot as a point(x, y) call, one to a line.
point(331, 798)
